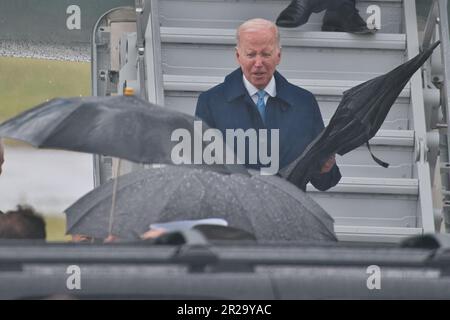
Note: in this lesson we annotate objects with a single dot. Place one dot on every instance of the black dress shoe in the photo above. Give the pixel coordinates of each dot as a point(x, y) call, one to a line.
point(298, 12)
point(345, 19)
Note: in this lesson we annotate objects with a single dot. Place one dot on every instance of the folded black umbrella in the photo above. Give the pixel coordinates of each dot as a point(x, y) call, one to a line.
point(357, 119)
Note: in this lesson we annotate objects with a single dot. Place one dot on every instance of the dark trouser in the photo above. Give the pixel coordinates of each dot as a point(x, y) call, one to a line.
point(341, 15)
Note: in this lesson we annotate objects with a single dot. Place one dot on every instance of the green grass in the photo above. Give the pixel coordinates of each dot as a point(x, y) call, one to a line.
point(55, 228)
point(26, 83)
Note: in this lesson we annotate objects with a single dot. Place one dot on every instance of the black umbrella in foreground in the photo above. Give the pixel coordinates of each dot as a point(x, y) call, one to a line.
point(357, 119)
point(125, 127)
point(268, 207)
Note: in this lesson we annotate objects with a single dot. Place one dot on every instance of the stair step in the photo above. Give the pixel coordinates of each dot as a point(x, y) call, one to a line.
point(395, 147)
point(373, 186)
point(289, 38)
point(310, 61)
point(404, 138)
point(375, 234)
point(363, 208)
point(326, 87)
point(230, 14)
point(373, 170)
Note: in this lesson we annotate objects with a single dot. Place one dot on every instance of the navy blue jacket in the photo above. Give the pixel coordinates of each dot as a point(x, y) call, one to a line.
point(294, 111)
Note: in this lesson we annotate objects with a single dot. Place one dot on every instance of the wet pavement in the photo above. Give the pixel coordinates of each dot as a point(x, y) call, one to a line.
point(48, 180)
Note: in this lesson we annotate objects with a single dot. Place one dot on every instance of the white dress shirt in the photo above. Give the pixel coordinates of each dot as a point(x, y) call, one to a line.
point(271, 89)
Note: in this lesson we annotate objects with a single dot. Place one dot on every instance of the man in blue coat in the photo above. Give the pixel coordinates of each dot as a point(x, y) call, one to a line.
point(256, 96)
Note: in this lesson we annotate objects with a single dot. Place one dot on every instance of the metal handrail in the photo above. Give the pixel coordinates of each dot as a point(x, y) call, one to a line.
point(430, 25)
point(438, 17)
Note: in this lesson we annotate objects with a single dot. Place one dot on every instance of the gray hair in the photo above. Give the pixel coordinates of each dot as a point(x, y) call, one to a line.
point(257, 23)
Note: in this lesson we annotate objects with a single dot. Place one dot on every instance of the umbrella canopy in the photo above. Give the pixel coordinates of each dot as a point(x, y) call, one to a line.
point(126, 127)
point(266, 206)
point(357, 119)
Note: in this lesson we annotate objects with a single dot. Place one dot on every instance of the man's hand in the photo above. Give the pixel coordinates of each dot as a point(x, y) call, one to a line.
point(153, 234)
point(329, 164)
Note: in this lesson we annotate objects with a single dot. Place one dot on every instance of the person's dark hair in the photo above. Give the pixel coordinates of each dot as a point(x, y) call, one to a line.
point(23, 223)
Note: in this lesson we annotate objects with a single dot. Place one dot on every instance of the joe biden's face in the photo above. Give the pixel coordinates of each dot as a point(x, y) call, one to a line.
point(258, 54)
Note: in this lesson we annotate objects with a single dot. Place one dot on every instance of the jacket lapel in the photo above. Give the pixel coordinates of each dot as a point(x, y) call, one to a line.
point(284, 97)
point(237, 94)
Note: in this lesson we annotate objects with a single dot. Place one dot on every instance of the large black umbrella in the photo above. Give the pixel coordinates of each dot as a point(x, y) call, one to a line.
point(267, 206)
point(357, 119)
point(126, 127)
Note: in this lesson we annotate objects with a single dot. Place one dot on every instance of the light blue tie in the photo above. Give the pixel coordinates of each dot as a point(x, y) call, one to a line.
point(261, 104)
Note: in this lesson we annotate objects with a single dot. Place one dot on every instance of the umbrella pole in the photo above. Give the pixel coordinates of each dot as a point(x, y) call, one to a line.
point(113, 204)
